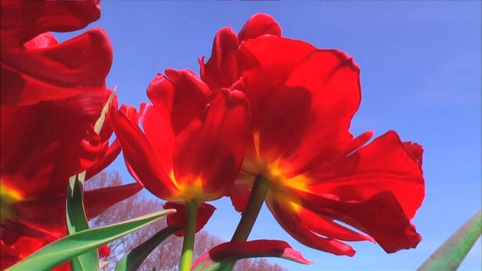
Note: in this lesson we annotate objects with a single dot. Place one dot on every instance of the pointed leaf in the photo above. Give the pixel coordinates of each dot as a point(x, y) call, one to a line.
point(77, 221)
point(73, 245)
point(133, 259)
point(450, 254)
point(231, 251)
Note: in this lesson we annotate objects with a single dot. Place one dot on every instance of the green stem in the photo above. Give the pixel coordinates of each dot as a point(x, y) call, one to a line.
point(188, 242)
point(255, 202)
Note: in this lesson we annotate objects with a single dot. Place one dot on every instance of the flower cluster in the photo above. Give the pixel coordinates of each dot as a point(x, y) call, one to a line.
point(267, 121)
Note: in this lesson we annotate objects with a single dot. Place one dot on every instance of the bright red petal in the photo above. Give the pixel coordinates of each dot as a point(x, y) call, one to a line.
point(212, 149)
point(182, 94)
point(383, 165)
point(139, 156)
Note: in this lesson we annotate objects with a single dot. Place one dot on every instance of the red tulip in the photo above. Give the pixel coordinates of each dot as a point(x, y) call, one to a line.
point(51, 96)
point(302, 100)
point(193, 141)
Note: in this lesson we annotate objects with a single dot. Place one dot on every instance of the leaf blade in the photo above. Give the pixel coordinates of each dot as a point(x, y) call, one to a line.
point(78, 243)
point(133, 259)
point(452, 252)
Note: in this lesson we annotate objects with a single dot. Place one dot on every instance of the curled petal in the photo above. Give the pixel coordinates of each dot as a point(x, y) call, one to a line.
point(230, 251)
point(23, 20)
point(204, 213)
point(291, 224)
point(381, 217)
point(221, 71)
point(56, 72)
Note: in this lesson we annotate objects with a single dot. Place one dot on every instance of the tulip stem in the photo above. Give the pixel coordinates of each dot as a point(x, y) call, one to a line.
point(190, 231)
point(255, 202)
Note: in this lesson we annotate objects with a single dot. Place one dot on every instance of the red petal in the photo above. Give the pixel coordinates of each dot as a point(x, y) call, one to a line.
point(204, 213)
point(23, 20)
point(332, 79)
point(221, 71)
point(383, 165)
point(212, 149)
point(96, 201)
point(36, 144)
point(182, 94)
point(241, 250)
point(158, 130)
point(139, 156)
point(258, 25)
point(291, 224)
point(56, 72)
point(380, 216)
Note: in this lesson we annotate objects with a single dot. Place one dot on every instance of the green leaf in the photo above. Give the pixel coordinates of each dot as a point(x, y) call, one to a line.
point(133, 259)
point(221, 257)
point(77, 221)
point(73, 245)
point(450, 254)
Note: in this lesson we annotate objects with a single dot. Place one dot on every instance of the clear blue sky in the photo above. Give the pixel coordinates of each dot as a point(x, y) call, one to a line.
point(421, 76)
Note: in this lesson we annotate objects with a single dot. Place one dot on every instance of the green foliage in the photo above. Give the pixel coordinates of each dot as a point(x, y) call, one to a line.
point(133, 259)
point(450, 255)
point(76, 244)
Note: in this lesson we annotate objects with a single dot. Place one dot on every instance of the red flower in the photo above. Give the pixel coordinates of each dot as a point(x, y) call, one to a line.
point(52, 95)
point(35, 67)
point(302, 100)
point(192, 143)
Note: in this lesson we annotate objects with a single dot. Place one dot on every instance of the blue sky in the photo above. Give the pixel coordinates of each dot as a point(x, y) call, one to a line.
point(421, 76)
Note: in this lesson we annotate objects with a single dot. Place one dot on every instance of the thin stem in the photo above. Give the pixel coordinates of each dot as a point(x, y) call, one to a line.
point(190, 231)
point(255, 202)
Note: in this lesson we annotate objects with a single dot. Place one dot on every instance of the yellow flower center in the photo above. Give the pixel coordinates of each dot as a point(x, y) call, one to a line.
point(8, 196)
point(188, 191)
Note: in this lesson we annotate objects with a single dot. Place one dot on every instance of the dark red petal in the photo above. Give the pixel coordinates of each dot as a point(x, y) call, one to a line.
point(30, 75)
point(221, 71)
point(23, 20)
point(96, 201)
point(241, 250)
point(289, 221)
point(258, 25)
point(204, 213)
point(139, 156)
point(182, 94)
point(38, 145)
point(212, 148)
